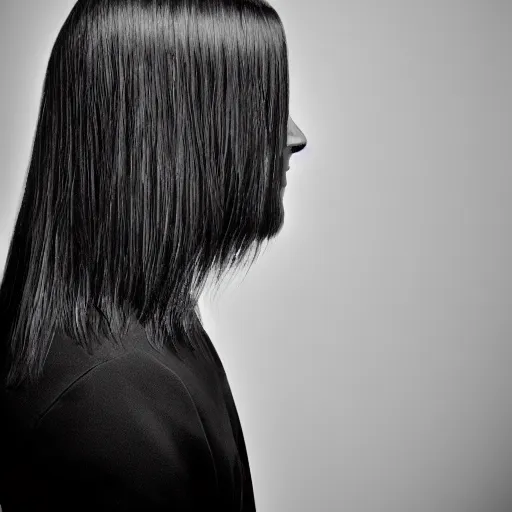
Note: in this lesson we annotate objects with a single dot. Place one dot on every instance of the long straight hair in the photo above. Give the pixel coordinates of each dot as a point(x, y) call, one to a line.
point(156, 163)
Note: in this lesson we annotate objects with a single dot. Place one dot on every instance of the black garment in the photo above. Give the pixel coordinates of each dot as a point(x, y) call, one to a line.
point(123, 431)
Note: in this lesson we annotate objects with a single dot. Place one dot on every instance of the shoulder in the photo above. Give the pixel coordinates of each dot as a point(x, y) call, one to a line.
point(133, 395)
point(69, 368)
point(123, 388)
point(129, 429)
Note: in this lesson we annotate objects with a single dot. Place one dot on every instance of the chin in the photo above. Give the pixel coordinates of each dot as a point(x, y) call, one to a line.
point(276, 218)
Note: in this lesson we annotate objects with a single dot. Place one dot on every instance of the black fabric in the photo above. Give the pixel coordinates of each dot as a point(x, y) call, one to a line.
point(128, 430)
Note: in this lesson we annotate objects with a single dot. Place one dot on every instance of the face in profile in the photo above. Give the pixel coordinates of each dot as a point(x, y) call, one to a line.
point(296, 141)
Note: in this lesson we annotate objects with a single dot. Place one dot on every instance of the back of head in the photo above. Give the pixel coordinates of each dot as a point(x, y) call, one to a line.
point(156, 163)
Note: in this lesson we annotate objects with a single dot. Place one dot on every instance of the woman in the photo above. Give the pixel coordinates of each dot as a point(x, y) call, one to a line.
point(159, 160)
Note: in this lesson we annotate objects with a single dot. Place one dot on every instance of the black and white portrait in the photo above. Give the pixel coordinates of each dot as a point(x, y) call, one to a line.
point(254, 255)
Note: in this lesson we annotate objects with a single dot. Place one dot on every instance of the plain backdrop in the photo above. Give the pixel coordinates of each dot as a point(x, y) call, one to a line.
point(369, 349)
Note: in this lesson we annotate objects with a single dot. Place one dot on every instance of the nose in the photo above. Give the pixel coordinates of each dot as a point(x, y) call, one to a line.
point(296, 139)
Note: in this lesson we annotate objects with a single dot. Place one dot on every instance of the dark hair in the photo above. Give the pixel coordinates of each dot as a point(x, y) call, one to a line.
point(156, 163)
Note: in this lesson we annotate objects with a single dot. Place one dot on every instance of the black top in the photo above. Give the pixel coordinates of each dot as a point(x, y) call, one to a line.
point(123, 430)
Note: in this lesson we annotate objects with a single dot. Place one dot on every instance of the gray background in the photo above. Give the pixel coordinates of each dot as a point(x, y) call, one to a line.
point(369, 349)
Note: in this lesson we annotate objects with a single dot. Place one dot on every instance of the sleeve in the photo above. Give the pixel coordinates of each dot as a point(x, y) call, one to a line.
point(126, 436)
